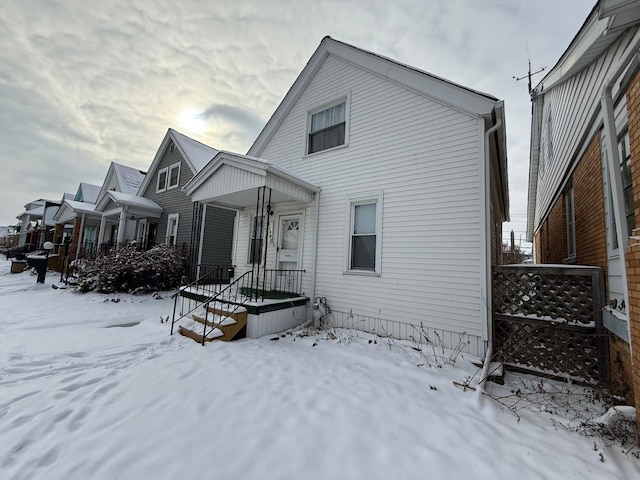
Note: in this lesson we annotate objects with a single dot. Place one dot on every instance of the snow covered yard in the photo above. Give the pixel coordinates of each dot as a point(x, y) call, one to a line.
point(82, 398)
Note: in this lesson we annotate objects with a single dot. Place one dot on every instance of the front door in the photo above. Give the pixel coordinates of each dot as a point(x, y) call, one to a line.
point(289, 242)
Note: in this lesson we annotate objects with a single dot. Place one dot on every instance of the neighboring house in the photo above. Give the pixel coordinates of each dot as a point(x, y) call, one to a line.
point(36, 222)
point(181, 222)
point(120, 207)
point(584, 177)
point(78, 215)
point(385, 186)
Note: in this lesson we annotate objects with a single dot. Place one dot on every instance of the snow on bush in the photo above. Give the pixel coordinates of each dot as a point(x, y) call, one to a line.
point(129, 270)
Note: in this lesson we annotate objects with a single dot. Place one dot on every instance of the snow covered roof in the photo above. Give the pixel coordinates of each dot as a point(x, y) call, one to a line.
point(87, 193)
point(129, 178)
point(131, 200)
point(196, 154)
point(36, 211)
point(72, 208)
point(120, 178)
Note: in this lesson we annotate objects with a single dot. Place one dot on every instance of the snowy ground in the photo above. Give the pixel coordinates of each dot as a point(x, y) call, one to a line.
point(80, 400)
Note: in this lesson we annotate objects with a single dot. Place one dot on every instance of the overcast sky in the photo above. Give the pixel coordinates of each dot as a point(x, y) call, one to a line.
point(87, 82)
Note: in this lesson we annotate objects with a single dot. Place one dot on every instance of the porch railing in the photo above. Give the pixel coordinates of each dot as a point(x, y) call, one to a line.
point(229, 295)
point(275, 284)
point(548, 319)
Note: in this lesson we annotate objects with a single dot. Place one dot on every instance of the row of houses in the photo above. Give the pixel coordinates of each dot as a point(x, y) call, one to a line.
point(384, 186)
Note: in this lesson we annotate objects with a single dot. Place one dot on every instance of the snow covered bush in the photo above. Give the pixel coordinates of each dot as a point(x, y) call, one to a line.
point(127, 269)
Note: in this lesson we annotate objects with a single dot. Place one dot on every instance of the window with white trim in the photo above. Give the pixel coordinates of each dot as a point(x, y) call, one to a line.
point(172, 229)
point(571, 223)
point(173, 176)
point(327, 128)
point(364, 238)
point(162, 180)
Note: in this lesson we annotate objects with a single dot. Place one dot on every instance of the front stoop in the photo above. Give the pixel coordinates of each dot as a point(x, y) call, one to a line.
point(228, 325)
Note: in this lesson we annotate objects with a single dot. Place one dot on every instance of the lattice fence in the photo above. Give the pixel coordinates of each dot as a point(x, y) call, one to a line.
point(549, 319)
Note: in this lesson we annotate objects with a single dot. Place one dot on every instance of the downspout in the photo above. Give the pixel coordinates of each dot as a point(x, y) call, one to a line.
point(80, 236)
point(615, 175)
point(487, 253)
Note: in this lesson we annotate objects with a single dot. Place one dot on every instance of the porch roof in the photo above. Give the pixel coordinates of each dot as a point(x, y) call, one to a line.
point(232, 180)
point(70, 209)
point(133, 204)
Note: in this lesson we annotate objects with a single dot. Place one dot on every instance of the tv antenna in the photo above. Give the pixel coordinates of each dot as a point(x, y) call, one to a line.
point(529, 75)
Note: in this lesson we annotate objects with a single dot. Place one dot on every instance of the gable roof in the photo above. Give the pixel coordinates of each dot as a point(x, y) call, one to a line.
point(71, 208)
point(196, 154)
point(127, 179)
point(87, 193)
point(462, 98)
point(132, 201)
point(233, 180)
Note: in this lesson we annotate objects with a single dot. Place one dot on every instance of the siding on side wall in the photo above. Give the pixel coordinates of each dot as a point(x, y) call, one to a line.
point(172, 201)
point(571, 106)
point(426, 159)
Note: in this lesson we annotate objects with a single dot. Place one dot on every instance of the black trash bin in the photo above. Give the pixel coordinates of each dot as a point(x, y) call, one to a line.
point(40, 264)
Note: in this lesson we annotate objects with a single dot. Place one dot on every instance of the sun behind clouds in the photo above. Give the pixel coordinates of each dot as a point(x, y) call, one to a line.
point(191, 122)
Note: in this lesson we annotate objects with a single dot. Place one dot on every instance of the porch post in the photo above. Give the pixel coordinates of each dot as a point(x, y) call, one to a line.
point(103, 224)
point(80, 236)
point(122, 227)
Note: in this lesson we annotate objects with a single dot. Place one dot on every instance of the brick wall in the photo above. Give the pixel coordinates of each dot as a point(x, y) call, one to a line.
point(554, 234)
point(588, 194)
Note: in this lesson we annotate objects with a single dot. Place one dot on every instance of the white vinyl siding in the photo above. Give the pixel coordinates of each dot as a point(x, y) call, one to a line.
point(426, 157)
point(569, 108)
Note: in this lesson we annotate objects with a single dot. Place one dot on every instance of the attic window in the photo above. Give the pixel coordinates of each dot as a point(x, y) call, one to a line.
point(162, 180)
point(174, 175)
point(172, 147)
point(328, 127)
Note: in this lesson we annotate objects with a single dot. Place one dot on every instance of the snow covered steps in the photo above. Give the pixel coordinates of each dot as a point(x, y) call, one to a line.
point(229, 324)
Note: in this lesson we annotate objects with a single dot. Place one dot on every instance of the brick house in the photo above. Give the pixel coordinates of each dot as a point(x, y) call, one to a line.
point(584, 178)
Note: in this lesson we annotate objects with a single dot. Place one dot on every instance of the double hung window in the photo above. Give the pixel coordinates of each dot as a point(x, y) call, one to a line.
point(364, 238)
point(327, 128)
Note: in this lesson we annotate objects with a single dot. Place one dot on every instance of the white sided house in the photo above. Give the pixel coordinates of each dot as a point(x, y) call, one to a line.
point(384, 186)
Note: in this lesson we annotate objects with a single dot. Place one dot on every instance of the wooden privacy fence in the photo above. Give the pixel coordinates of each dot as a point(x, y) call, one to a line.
point(548, 319)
